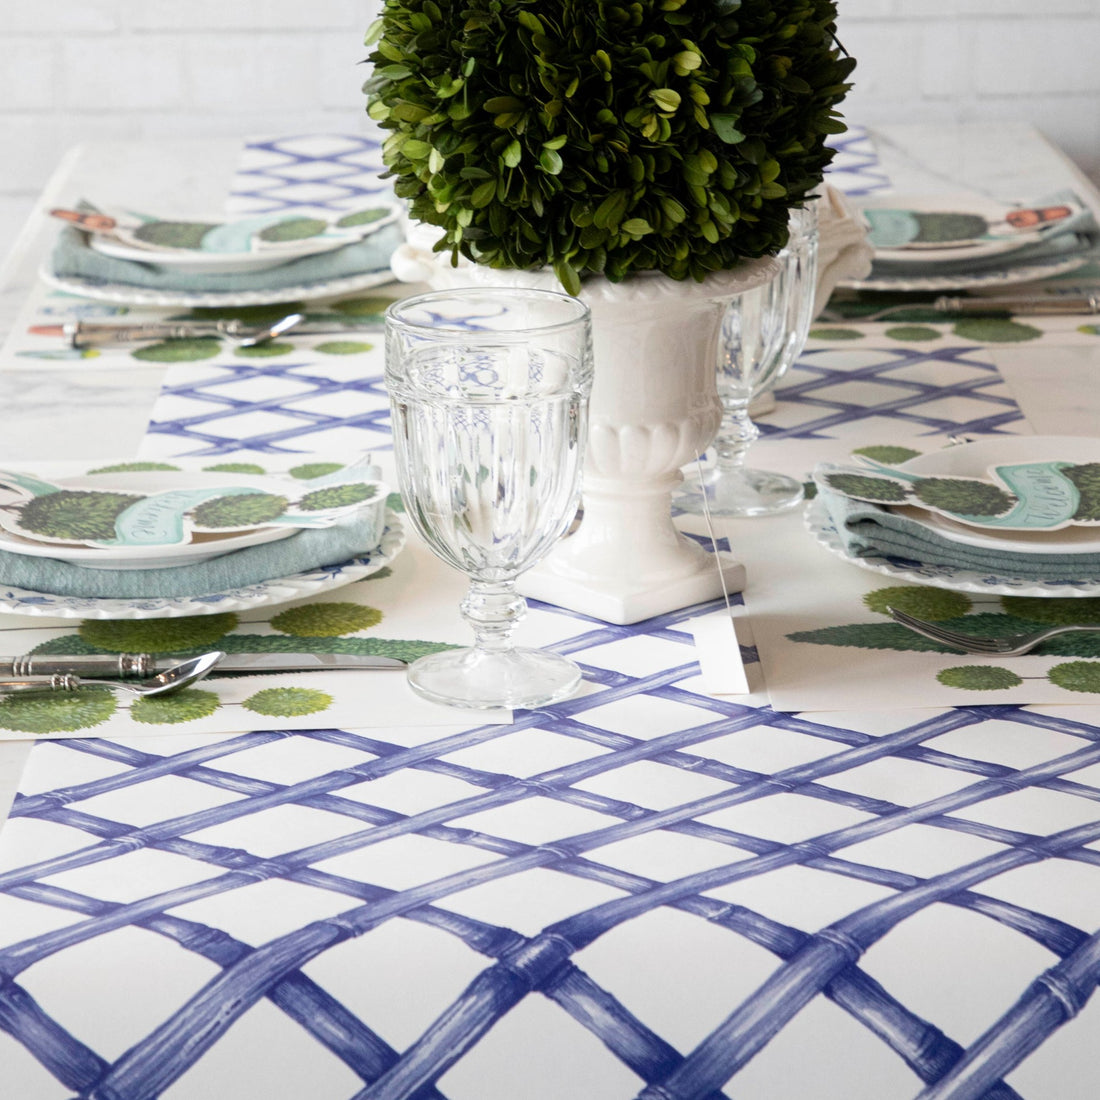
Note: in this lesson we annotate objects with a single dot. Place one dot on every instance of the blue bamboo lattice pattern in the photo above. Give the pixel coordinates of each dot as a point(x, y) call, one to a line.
point(642, 892)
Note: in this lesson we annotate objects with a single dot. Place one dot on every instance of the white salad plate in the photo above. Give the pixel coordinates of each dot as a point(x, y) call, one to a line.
point(978, 280)
point(22, 601)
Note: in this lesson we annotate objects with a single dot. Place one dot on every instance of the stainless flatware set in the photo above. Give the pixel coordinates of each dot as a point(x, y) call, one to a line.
point(143, 674)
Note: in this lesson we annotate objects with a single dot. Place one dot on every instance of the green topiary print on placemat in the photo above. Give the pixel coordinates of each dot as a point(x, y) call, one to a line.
point(887, 453)
point(61, 712)
point(1059, 611)
point(182, 706)
point(990, 330)
point(235, 468)
point(912, 333)
point(933, 604)
point(343, 347)
point(247, 315)
point(269, 350)
point(835, 334)
point(363, 307)
point(869, 636)
point(288, 702)
point(1077, 676)
point(395, 504)
point(134, 467)
point(314, 469)
point(157, 635)
point(179, 351)
point(979, 678)
point(326, 620)
point(241, 510)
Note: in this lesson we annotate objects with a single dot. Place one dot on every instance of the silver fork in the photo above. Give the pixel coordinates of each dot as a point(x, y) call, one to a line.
point(1008, 645)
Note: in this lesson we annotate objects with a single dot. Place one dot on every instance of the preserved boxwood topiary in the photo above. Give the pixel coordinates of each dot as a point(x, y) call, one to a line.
point(75, 514)
point(606, 136)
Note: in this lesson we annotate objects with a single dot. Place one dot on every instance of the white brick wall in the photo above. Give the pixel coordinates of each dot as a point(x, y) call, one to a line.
point(970, 60)
point(77, 69)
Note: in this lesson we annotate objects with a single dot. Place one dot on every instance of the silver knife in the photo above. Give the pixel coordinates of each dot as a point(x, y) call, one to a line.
point(136, 665)
point(93, 334)
point(1035, 303)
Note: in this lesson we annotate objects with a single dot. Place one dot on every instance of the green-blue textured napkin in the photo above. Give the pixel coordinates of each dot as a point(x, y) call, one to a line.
point(306, 550)
point(868, 530)
point(74, 258)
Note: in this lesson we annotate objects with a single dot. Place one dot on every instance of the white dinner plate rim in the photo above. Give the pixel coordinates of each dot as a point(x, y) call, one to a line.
point(819, 525)
point(22, 601)
point(1020, 273)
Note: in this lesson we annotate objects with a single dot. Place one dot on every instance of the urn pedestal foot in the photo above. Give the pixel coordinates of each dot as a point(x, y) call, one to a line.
point(653, 570)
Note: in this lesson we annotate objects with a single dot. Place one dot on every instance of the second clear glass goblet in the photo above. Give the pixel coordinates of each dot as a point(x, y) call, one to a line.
point(763, 331)
point(488, 391)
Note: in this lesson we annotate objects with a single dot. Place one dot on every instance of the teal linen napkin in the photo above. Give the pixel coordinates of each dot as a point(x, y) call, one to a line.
point(74, 258)
point(309, 549)
point(868, 530)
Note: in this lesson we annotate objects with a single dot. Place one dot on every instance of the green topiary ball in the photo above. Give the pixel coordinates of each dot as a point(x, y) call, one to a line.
point(597, 136)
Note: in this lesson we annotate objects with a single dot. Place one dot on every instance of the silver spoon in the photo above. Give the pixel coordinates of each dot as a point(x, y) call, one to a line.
point(284, 324)
point(163, 683)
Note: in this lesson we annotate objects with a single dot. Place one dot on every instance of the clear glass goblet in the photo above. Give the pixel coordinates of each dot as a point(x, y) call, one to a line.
point(488, 392)
point(763, 331)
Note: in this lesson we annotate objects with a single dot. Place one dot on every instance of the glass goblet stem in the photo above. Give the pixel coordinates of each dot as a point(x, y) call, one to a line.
point(736, 434)
point(492, 609)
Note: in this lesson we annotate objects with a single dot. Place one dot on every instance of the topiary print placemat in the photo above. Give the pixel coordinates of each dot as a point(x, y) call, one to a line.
point(826, 641)
point(406, 610)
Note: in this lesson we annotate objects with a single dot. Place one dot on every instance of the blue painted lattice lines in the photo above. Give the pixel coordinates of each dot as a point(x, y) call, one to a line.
point(157, 1061)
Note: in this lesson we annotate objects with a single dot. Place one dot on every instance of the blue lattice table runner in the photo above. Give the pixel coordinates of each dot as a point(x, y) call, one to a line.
point(642, 892)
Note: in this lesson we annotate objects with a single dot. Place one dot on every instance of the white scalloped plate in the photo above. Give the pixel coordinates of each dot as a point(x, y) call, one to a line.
point(817, 522)
point(195, 299)
point(22, 601)
point(1020, 273)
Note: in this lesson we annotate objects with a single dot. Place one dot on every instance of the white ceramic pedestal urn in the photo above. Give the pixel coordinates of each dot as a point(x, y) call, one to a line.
point(654, 407)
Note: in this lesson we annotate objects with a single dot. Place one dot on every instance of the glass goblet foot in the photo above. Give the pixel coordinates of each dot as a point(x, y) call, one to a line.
point(744, 491)
point(517, 677)
point(494, 672)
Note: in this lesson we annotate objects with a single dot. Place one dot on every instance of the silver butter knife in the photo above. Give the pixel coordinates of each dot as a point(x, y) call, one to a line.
point(137, 665)
point(96, 334)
